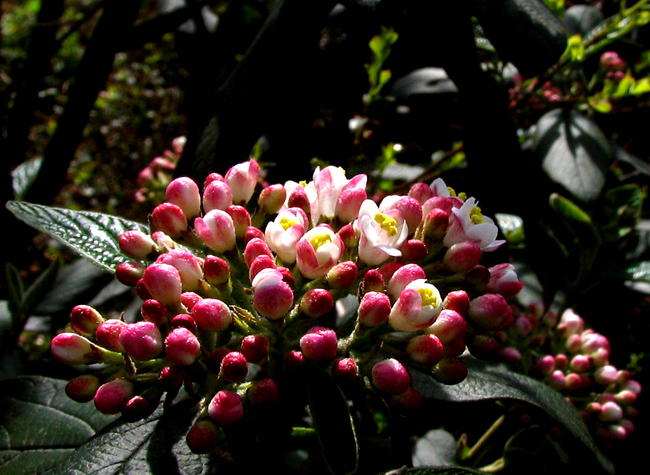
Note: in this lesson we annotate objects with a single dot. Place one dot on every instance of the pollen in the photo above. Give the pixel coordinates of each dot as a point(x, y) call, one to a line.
point(429, 297)
point(319, 239)
point(386, 223)
point(476, 216)
point(462, 195)
point(286, 223)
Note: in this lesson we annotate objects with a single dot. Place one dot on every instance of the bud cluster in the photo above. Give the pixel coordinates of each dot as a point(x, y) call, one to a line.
point(563, 352)
point(241, 284)
point(154, 178)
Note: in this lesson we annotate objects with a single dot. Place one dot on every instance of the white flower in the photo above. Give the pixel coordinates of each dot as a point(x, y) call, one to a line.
point(381, 234)
point(284, 231)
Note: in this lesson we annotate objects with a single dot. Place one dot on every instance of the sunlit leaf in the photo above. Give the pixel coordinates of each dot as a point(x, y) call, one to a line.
point(93, 235)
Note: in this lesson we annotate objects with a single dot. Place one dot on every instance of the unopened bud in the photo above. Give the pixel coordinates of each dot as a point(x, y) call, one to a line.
point(170, 219)
point(184, 193)
point(129, 273)
point(226, 408)
point(450, 371)
point(316, 302)
point(319, 343)
point(390, 376)
point(111, 397)
point(141, 340)
point(462, 257)
point(216, 271)
point(255, 348)
point(182, 347)
point(203, 436)
point(263, 392)
point(137, 245)
point(82, 388)
point(425, 349)
point(84, 319)
point(374, 309)
point(163, 282)
point(342, 275)
point(234, 367)
point(212, 315)
point(491, 311)
point(272, 198)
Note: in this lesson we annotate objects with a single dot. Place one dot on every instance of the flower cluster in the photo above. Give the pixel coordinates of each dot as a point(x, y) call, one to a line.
point(563, 352)
point(242, 282)
point(154, 178)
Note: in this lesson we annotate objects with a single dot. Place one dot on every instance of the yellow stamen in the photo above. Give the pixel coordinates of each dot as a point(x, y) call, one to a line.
point(476, 216)
point(303, 183)
point(428, 296)
point(387, 223)
point(462, 195)
point(319, 239)
point(286, 223)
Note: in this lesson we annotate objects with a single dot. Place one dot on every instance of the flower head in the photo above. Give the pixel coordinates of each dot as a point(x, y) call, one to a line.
point(381, 234)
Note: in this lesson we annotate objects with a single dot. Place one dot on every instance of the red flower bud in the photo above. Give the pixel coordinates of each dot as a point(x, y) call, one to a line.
point(111, 397)
point(462, 257)
point(390, 376)
point(184, 193)
point(316, 302)
point(234, 367)
point(163, 282)
point(255, 348)
point(203, 436)
point(182, 347)
point(491, 311)
point(216, 270)
point(374, 309)
point(170, 219)
point(425, 349)
point(226, 408)
point(263, 392)
point(212, 314)
point(82, 388)
point(108, 334)
point(319, 343)
point(85, 320)
point(141, 340)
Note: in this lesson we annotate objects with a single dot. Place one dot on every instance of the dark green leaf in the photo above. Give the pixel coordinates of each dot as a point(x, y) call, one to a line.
point(93, 235)
point(40, 425)
point(155, 445)
point(23, 176)
point(491, 382)
point(333, 423)
point(574, 152)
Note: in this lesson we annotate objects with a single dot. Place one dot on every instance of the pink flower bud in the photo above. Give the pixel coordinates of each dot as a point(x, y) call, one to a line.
point(373, 281)
point(242, 179)
point(390, 376)
point(189, 266)
point(138, 407)
point(111, 397)
point(421, 192)
point(170, 219)
point(153, 311)
point(546, 364)
point(349, 236)
point(402, 277)
point(234, 367)
point(414, 250)
point(241, 219)
point(203, 436)
point(316, 302)
point(184, 193)
point(217, 195)
point(259, 263)
point(504, 281)
point(580, 363)
point(462, 257)
point(216, 271)
point(272, 198)
point(491, 311)
point(298, 199)
point(374, 309)
point(294, 361)
point(255, 348)
point(163, 282)
point(263, 392)
point(425, 349)
point(272, 297)
point(108, 334)
point(457, 300)
point(349, 202)
point(410, 208)
point(141, 340)
point(74, 349)
point(137, 245)
point(82, 388)
point(611, 412)
point(84, 319)
point(226, 408)
point(449, 326)
point(212, 315)
point(189, 299)
point(450, 370)
point(557, 380)
point(570, 323)
point(319, 343)
point(435, 224)
point(345, 371)
point(254, 248)
point(606, 375)
point(129, 273)
point(217, 230)
point(342, 275)
point(182, 320)
point(182, 347)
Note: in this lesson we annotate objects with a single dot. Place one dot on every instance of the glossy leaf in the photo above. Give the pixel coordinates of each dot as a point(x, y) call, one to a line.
point(40, 425)
point(435, 471)
point(152, 446)
point(93, 235)
point(492, 382)
point(333, 423)
point(574, 152)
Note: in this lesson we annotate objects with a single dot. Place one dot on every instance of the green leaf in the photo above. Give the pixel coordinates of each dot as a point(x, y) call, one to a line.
point(491, 382)
point(574, 152)
point(333, 423)
point(24, 175)
point(580, 225)
point(152, 446)
point(40, 425)
point(93, 235)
